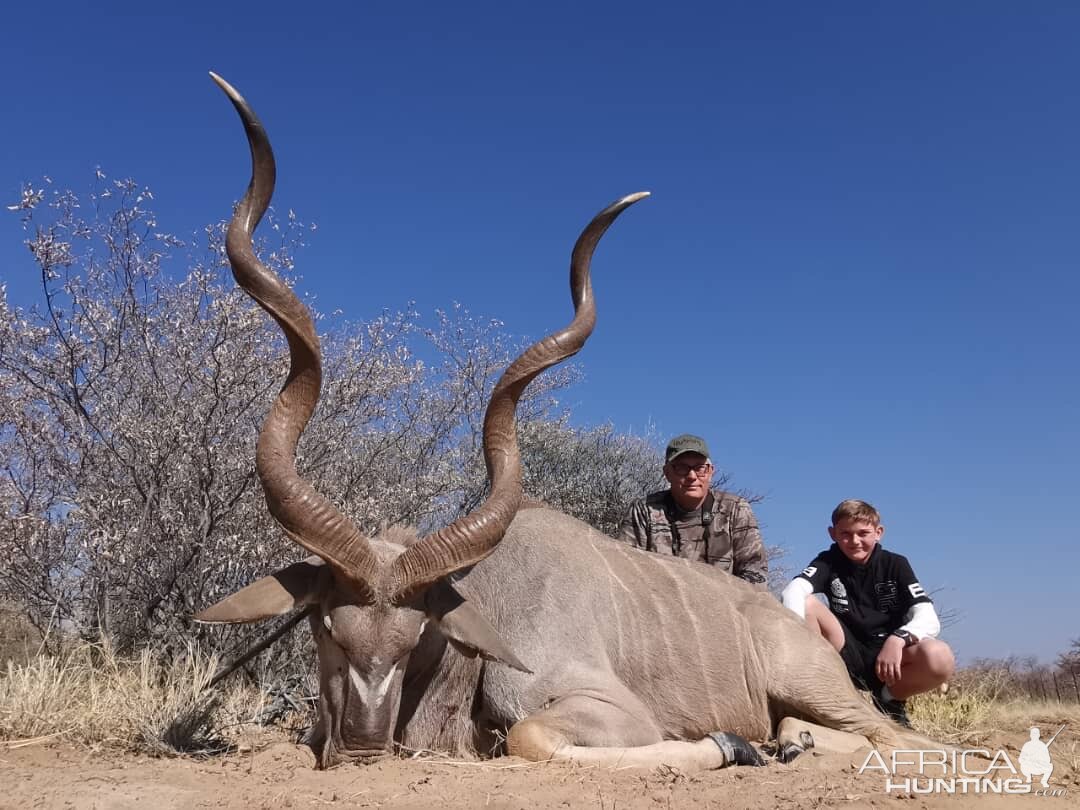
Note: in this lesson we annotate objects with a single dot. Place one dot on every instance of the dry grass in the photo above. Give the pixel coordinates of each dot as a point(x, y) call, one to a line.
point(954, 716)
point(91, 696)
point(983, 704)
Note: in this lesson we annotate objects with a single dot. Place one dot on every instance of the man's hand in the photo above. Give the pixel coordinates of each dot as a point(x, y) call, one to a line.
point(888, 660)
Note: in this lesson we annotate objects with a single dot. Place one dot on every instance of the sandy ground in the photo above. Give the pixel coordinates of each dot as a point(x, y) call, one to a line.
point(58, 775)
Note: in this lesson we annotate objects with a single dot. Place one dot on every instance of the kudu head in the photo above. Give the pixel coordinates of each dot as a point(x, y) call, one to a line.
point(370, 599)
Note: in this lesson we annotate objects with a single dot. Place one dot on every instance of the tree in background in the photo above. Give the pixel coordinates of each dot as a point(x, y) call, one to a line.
point(1069, 661)
point(132, 401)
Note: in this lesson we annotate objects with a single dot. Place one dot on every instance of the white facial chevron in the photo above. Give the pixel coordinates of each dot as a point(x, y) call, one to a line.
point(370, 692)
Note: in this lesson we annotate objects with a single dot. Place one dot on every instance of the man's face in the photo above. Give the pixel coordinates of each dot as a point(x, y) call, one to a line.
point(689, 475)
point(856, 538)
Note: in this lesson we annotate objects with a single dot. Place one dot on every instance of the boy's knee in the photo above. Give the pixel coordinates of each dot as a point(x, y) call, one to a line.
point(947, 664)
point(940, 661)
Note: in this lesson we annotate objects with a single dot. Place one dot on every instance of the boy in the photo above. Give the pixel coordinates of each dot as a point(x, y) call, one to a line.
point(879, 618)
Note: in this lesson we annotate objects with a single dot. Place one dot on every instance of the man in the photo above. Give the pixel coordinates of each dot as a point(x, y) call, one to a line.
point(693, 521)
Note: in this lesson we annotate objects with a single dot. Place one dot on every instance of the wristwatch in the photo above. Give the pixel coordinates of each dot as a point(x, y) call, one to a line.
point(908, 638)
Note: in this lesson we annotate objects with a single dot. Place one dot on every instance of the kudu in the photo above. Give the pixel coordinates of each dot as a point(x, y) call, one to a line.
point(626, 658)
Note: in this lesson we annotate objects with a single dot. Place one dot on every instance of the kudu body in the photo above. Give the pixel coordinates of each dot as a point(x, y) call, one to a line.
point(518, 624)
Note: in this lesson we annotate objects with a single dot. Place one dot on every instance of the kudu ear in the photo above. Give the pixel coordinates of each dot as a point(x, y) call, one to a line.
point(294, 586)
point(466, 629)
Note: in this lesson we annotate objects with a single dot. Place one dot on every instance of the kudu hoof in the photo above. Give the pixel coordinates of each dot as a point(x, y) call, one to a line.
point(788, 752)
point(737, 751)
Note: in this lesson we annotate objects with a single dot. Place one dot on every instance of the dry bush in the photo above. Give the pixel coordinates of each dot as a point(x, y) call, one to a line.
point(983, 699)
point(92, 696)
point(957, 714)
point(19, 640)
point(131, 395)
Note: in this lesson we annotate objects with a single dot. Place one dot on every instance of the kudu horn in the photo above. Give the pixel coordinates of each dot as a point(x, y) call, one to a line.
point(305, 515)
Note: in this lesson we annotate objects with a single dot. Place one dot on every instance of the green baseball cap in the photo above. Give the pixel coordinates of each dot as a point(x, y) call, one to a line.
point(686, 443)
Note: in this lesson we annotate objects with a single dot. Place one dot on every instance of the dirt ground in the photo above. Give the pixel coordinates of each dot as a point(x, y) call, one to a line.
point(58, 775)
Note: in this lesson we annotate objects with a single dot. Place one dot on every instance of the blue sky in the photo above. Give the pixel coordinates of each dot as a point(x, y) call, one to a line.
point(856, 275)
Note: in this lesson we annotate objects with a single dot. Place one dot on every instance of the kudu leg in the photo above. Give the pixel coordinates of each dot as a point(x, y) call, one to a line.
point(794, 737)
point(808, 680)
point(845, 722)
point(592, 731)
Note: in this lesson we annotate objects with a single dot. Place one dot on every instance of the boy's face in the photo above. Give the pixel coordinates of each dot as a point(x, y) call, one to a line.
point(856, 538)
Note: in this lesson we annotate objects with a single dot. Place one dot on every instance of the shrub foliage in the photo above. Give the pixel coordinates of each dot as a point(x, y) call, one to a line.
point(132, 399)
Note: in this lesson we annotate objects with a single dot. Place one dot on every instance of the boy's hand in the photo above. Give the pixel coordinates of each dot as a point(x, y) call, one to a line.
point(888, 660)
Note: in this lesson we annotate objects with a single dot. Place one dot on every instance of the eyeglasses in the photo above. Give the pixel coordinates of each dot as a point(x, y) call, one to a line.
point(683, 470)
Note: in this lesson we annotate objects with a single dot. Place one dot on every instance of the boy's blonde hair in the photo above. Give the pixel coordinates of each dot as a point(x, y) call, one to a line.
point(854, 509)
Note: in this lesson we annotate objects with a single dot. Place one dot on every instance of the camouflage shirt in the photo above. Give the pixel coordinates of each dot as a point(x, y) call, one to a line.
point(731, 540)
